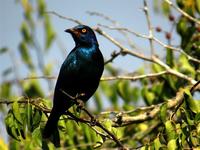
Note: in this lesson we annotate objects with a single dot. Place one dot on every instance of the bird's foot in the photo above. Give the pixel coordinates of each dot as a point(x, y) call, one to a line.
point(80, 104)
point(93, 121)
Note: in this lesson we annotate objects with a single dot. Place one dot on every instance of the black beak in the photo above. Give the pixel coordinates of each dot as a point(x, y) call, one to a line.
point(72, 31)
point(69, 30)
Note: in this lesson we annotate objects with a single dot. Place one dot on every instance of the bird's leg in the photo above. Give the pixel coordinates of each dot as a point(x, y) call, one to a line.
point(93, 121)
point(80, 105)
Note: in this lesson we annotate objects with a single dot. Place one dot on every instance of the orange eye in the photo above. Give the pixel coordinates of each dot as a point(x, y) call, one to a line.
point(83, 30)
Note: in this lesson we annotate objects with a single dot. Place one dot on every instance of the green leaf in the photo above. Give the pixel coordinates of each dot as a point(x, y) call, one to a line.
point(165, 7)
point(170, 130)
point(5, 90)
point(186, 67)
point(13, 127)
point(3, 50)
point(124, 91)
point(16, 112)
point(157, 68)
point(29, 119)
point(87, 134)
point(163, 112)
point(108, 124)
point(194, 105)
point(25, 32)
point(111, 94)
point(170, 57)
point(148, 96)
point(49, 32)
point(33, 89)
point(198, 129)
point(36, 116)
point(36, 135)
point(98, 101)
point(157, 144)
point(24, 52)
point(48, 69)
point(118, 132)
point(41, 7)
point(187, 92)
point(97, 145)
point(197, 118)
point(171, 145)
point(197, 6)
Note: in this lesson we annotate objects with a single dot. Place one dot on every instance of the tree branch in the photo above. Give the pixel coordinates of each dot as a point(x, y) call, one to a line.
point(153, 110)
point(183, 12)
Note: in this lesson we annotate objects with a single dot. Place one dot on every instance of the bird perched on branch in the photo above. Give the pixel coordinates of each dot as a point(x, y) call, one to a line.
point(80, 74)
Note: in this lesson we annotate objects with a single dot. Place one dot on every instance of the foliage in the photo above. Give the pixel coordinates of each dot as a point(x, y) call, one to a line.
point(170, 118)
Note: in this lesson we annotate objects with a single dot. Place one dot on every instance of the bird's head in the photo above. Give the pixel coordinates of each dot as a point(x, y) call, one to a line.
point(83, 35)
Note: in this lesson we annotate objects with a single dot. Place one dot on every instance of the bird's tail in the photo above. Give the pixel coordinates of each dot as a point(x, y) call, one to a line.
point(51, 124)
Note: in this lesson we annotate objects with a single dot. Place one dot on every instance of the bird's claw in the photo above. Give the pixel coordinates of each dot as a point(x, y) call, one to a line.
point(93, 121)
point(80, 105)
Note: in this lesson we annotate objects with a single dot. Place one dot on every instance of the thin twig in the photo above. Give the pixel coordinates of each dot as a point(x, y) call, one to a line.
point(133, 78)
point(183, 12)
point(146, 11)
point(123, 49)
point(121, 120)
point(94, 121)
point(154, 39)
point(65, 18)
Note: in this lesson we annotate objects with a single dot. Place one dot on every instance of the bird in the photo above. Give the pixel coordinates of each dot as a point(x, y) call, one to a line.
point(79, 74)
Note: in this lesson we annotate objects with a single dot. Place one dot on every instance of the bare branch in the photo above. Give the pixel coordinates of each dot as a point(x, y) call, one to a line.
point(154, 39)
point(63, 17)
point(183, 12)
point(94, 13)
point(121, 120)
point(146, 11)
point(133, 78)
point(123, 49)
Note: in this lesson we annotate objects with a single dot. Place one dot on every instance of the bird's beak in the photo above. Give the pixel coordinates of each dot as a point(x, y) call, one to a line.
point(72, 31)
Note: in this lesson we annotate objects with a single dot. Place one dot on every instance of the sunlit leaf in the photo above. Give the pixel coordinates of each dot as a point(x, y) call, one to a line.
point(186, 66)
point(16, 112)
point(163, 112)
point(41, 7)
point(197, 5)
point(27, 9)
point(170, 130)
point(172, 144)
point(13, 127)
point(3, 145)
point(157, 144)
point(5, 90)
point(37, 136)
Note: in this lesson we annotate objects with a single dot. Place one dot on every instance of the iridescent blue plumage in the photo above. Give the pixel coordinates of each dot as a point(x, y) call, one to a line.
point(79, 74)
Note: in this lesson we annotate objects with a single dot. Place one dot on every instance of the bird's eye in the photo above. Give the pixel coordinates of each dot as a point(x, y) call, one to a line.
point(83, 30)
